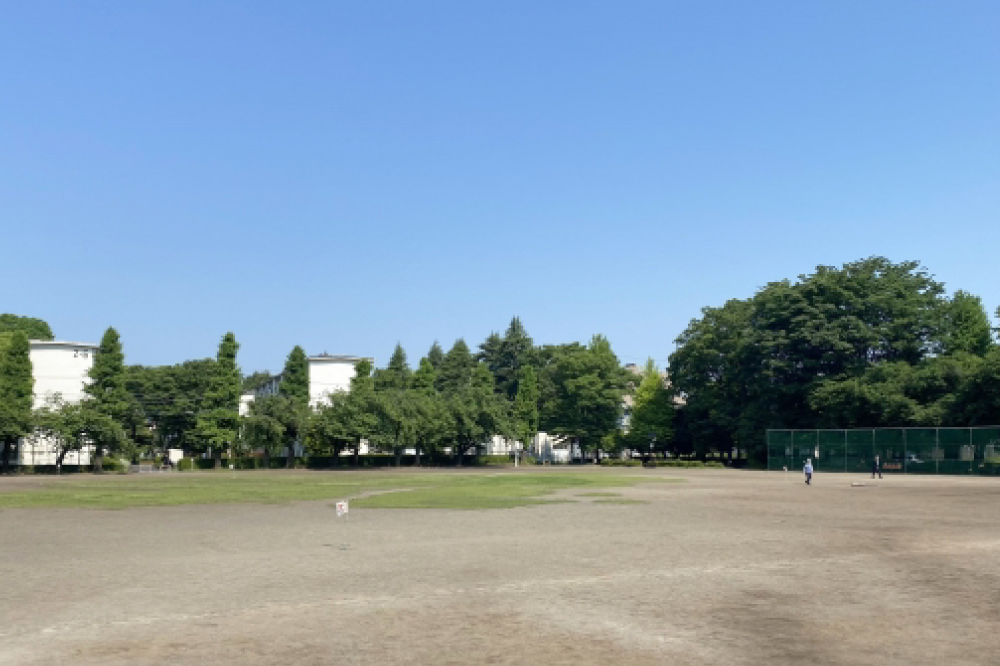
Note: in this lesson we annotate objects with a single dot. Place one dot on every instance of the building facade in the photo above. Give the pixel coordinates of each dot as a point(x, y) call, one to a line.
point(60, 370)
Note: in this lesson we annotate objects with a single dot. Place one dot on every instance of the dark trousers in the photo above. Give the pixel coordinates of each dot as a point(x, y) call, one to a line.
point(809, 478)
point(876, 470)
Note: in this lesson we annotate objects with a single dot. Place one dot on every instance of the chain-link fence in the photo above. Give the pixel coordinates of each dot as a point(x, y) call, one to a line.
point(900, 450)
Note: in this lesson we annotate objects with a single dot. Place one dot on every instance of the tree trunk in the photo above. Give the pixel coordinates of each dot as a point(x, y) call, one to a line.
point(418, 456)
point(217, 454)
point(290, 458)
point(399, 455)
point(59, 460)
point(357, 453)
point(267, 458)
point(97, 462)
point(459, 454)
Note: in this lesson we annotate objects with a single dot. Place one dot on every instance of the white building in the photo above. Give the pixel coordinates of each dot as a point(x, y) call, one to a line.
point(328, 374)
point(59, 369)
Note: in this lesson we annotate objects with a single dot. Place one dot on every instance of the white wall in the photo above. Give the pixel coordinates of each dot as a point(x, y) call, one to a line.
point(58, 368)
point(329, 375)
point(61, 367)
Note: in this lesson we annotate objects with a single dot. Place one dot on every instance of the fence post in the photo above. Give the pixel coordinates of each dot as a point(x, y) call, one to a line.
point(937, 451)
point(905, 453)
point(845, 450)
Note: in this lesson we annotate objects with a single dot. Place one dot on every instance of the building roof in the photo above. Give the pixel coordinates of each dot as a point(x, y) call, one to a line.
point(339, 358)
point(62, 343)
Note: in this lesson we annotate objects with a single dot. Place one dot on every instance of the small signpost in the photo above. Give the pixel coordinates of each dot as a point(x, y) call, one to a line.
point(342, 508)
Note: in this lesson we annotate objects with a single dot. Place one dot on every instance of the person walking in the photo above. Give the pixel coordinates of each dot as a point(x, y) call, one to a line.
point(808, 470)
point(876, 468)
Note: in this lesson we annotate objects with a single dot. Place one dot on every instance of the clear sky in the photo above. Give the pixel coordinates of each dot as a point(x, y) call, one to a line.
point(345, 175)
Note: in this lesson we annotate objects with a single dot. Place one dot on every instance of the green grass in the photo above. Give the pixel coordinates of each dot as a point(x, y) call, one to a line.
point(449, 490)
point(598, 494)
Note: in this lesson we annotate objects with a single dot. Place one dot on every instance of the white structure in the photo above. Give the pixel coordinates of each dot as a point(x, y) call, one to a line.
point(554, 449)
point(328, 374)
point(59, 369)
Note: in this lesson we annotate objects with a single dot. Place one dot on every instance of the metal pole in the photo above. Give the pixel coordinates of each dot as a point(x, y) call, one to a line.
point(905, 454)
point(937, 450)
point(845, 450)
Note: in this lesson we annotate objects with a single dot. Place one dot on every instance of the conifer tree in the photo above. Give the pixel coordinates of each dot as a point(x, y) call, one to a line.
point(435, 355)
point(515, 353)
point(217, 423)
point(456, 368)
point(108, 395)
point(16, 393)
point(295, 378)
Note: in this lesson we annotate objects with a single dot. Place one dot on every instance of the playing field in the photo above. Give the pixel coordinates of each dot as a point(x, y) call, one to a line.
point(724, 568)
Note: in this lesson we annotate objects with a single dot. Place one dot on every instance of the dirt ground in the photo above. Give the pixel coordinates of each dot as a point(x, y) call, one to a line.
point(728, 568)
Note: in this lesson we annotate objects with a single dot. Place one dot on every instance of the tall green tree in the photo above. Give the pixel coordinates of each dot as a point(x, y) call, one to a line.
point(295, 377)
point(588, 385)
point(455, 371)
point(652, 413)
point(755, 364)
point(34, 329)
point(295, 388)
point(107, 392)
point(967, 326)
point(217, 423)
point(489, 352)
point(435, 355)
point(16, 393)
point(397, 374)
point(515, 353)
point(264, 427)
point(525, 409)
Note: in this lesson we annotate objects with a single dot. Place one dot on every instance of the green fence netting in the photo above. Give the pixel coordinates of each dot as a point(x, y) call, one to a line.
point(900, 450)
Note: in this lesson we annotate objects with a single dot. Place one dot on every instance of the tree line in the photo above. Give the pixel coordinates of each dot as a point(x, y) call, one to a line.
point(454, 401)
point(869, 344)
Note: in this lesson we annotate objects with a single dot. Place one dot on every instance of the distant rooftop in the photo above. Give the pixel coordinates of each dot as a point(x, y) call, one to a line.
point(62, 343)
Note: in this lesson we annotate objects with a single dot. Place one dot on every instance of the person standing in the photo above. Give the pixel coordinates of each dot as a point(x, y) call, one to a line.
point(876, 468)
point(808, 470)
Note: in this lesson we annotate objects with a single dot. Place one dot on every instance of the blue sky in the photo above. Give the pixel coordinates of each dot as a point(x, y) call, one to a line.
point(343, 175)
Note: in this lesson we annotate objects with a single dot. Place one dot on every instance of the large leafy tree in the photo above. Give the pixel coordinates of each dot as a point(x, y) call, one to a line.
point(69, 427)
point(967, 326)
point(107, 392)
point(34, 329)
point(264, 427)
point(774, 361)
point(218, 421)
point(16, 393)
point(587, 385)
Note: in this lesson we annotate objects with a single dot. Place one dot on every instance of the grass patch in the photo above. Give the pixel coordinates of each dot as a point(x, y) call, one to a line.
point(455, 490)
point(598, 494)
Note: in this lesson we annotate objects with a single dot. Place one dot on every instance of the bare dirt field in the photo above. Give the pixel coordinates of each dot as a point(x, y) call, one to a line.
point(727, 568)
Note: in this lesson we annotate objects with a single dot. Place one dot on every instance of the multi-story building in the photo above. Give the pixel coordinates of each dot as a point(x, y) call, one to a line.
point(60, 372)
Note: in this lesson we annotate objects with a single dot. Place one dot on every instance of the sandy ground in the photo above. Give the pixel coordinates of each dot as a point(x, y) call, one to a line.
point(728, 568)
